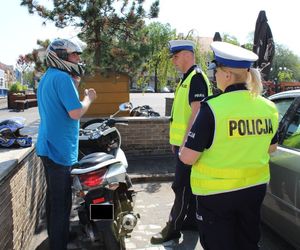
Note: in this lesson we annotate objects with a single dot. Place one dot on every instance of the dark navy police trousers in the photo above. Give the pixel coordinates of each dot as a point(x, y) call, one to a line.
point(230, 221)
point(183, 213)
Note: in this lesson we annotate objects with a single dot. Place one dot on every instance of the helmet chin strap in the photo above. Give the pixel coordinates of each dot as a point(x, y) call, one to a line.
point(76, 69)
point(72, 68)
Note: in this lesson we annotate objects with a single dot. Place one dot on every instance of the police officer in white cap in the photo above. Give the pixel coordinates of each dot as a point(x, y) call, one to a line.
point(193, 88)
point(230, 160)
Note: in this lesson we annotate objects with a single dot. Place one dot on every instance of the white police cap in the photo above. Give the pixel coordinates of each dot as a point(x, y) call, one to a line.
point(232, 56)
point(179, 45)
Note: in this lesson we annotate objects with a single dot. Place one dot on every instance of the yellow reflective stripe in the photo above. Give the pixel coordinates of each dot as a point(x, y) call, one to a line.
point(178, 137)
point(229, 172)
point(211, 186)
point(176, 140)
point(178, 125)
point(177, 132)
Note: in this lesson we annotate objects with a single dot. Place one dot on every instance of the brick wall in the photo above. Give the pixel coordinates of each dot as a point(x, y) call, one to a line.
point(22, 195)
point(145, 136)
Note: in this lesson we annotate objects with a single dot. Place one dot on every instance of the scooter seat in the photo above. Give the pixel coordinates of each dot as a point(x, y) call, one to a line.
point(92, 167)
point(95, 158)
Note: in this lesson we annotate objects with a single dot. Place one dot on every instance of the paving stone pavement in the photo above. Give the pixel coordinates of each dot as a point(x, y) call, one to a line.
point(3, 102)
point(153, 203)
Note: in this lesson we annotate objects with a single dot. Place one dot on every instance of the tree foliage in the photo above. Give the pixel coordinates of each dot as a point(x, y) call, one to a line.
point(157, 63)
point(17, 87)
point(29, 79)
point(34, 59)
point(112, 29)
point(230, 39)
point(286, 65)
point(158, 67)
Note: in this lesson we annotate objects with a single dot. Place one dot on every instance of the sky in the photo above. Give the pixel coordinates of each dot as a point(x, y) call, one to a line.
point(19, 30)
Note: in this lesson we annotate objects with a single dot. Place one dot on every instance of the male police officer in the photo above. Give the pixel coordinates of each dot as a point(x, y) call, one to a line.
point(193, 87)
point(231, 159)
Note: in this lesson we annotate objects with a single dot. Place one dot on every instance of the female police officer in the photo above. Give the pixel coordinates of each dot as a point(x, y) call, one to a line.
point(230, 159)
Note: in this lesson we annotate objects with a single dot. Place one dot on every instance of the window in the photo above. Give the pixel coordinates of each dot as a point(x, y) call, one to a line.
point(282, 106)
point(292, 136)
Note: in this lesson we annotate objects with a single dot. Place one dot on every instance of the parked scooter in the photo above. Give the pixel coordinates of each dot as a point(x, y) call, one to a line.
point(144, 110)
point(102, 185)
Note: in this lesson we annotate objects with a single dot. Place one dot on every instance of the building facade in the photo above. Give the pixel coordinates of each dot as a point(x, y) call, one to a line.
point(6, 77)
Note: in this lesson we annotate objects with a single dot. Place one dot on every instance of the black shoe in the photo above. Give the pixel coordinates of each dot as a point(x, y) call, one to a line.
point(165, 235)
point(72, 236)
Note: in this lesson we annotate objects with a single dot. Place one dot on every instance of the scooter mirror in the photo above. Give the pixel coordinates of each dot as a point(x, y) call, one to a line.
point(126, 106)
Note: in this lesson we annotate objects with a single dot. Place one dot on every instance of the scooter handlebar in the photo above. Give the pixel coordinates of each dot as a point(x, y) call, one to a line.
point(122, 123)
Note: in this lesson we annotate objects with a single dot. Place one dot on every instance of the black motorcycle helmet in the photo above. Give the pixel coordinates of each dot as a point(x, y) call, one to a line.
point(10, 133)
point(57, 56)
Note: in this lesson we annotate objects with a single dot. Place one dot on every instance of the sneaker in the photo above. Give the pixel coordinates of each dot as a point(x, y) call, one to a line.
point(165, 235)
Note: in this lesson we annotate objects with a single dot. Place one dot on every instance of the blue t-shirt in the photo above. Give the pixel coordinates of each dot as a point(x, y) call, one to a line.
point(58, 132)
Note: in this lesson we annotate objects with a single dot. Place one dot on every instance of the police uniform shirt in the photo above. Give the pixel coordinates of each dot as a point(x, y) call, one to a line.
point(198, 89)
point(202, 132)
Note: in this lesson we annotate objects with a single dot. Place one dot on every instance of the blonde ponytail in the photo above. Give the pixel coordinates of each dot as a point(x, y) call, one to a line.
point(254, 83)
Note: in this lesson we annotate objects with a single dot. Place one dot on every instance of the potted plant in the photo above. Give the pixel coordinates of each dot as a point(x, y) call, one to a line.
point(16, 92)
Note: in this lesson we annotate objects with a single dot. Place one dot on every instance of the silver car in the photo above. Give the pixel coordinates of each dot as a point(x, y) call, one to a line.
point(281, 206)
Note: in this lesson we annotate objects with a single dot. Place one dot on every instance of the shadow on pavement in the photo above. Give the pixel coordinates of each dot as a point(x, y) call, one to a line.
point(152, 187)
point(43, 246)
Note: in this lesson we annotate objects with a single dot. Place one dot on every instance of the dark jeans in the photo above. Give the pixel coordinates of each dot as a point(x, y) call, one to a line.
point(231, 221)
point(58, 203)
point(183, 213)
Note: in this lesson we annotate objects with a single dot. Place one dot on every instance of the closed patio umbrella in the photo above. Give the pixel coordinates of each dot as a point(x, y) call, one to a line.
point(263, 45)
point(217, 37)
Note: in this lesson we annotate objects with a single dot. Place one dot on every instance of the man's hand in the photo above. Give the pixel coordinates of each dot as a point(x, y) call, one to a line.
point(91, 94)
point(188, 156)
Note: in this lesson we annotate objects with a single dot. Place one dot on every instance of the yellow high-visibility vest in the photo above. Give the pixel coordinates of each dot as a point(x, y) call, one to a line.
point(238, 157)
point(181, 109)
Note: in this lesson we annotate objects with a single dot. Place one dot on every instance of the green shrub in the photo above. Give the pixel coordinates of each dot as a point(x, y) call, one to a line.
point(16, 87)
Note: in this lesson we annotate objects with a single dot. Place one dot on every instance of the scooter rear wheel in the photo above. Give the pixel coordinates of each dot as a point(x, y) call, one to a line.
point(110, 237)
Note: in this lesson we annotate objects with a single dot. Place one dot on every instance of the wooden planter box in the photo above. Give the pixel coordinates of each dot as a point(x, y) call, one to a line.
point(12, 97)
point(31, 100)
point(112, 90)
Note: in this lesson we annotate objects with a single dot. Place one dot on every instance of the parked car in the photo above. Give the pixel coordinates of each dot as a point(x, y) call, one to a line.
point(135, 90)
point(165, 90)
point(281, 206)
point(149, 89)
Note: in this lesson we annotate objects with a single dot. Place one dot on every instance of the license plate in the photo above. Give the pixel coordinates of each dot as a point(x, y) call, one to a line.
point(101, 211)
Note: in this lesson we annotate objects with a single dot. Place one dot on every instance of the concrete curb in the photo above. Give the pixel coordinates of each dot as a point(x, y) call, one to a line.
point(141, 178)
point(154, 168)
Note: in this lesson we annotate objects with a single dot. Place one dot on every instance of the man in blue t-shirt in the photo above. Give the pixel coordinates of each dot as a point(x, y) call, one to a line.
point(60, 110)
